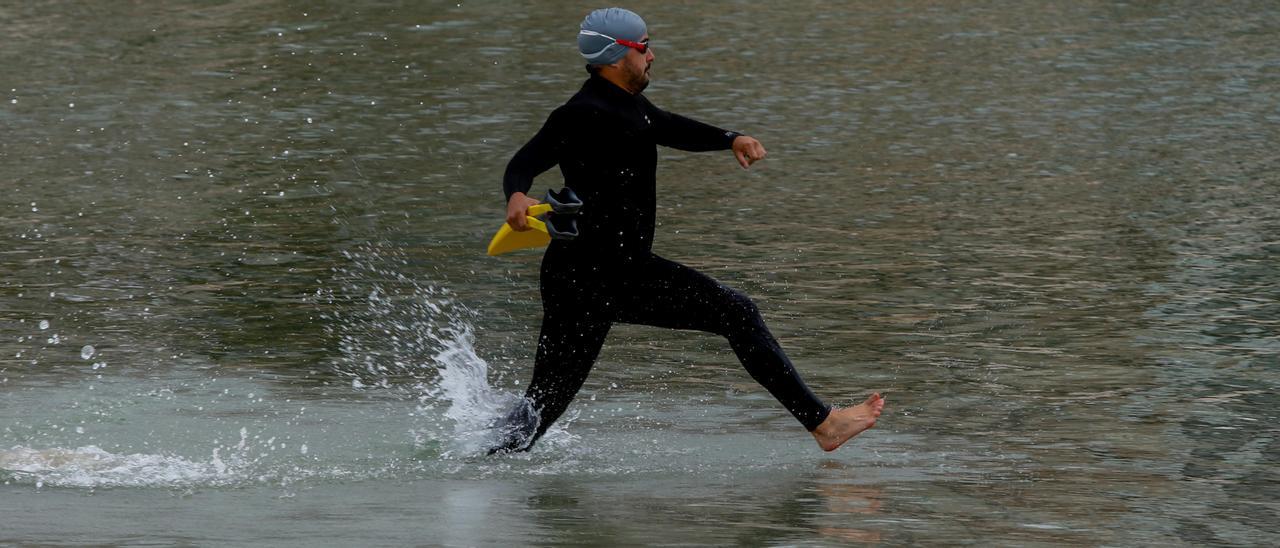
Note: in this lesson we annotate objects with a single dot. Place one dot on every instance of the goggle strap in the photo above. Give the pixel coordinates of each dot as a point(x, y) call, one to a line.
point(601, 52)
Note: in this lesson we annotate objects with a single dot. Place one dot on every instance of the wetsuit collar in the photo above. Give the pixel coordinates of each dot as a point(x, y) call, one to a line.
point(608, 88)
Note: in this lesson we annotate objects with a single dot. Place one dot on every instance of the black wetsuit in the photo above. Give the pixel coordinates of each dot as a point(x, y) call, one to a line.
point(604, 141)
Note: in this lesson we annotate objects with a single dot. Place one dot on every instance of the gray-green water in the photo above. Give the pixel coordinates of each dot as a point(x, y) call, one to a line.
point(244, 300)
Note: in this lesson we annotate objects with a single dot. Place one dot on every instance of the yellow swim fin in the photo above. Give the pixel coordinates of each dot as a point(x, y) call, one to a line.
point(507, 240)
point(561, 224)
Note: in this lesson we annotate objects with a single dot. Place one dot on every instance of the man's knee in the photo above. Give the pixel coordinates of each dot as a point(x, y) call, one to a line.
point(739, 309)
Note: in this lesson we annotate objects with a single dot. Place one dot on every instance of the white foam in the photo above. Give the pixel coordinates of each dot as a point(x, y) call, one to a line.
point(91, 466)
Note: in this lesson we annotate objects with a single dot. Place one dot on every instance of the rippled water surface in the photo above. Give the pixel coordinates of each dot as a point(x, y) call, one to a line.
point(244, 299)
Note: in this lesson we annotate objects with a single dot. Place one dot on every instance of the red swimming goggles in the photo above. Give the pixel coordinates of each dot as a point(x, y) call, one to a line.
point(642, 46)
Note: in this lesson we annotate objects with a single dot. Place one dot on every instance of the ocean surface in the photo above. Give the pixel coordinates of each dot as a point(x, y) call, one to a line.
point(244, 298)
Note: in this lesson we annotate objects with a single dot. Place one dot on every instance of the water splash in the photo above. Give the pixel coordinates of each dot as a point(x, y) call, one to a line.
point(463, 384)
point(410, 347)
point(402, 335)
point(389, 326)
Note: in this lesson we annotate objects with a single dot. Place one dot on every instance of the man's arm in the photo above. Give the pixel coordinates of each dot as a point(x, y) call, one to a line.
point(676, 131)
point(535, 157)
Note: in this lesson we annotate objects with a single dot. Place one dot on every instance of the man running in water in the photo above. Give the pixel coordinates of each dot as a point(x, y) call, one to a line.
point(604, 141)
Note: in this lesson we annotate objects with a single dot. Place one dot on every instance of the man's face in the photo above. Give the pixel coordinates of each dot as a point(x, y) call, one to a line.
point(635, 67)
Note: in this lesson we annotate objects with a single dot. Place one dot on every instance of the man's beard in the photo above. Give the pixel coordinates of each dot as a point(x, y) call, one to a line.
point(640, 81)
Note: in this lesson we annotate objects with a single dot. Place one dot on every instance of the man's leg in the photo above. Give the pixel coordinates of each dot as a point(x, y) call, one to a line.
point(574, 327)
point(668, 294)
point(567, 349)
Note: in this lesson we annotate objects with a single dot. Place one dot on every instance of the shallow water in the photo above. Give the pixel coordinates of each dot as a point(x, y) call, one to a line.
point(244, 300)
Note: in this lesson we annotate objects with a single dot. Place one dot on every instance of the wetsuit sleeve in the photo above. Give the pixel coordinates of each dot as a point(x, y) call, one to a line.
point(539, 154)
point(676, 131)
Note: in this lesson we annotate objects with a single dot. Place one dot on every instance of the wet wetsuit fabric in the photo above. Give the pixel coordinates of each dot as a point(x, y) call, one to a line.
point(604, 142)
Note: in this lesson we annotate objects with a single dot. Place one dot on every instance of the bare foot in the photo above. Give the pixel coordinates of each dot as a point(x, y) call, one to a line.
point(845, 423)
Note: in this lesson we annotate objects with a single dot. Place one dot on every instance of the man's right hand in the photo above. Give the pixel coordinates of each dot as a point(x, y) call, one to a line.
point(518, 211)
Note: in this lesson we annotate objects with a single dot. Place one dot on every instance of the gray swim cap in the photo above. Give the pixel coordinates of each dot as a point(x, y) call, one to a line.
point(595, 39)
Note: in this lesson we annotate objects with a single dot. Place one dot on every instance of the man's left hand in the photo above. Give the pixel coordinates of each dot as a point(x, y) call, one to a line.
point(747, 150)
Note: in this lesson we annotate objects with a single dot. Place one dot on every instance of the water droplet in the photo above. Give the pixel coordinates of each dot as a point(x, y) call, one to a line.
point(86, 351)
